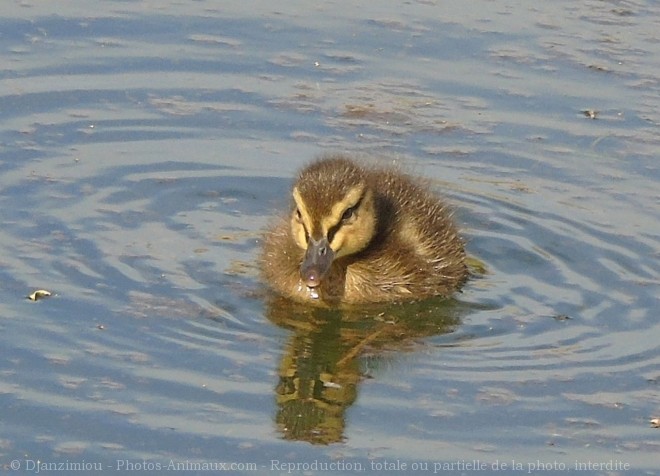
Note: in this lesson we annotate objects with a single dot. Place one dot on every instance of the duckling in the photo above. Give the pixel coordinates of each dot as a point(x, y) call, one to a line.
point(361, 234)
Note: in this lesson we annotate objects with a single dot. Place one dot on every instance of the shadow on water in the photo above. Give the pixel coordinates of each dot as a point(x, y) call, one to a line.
point(322, 364)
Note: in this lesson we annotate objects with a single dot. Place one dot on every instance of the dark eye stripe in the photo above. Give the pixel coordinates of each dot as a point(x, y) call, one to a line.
point(347, 215)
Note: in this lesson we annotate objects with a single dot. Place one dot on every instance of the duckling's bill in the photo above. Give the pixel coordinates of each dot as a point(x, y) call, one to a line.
point(317, 262)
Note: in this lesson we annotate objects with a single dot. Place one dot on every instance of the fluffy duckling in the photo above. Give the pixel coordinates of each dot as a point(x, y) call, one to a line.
point(361, 234)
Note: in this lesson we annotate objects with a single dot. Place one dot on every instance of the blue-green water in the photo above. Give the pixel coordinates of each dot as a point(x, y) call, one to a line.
point(145, 145)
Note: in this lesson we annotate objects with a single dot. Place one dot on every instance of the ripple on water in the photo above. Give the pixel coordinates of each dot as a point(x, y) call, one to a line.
point(139, 204)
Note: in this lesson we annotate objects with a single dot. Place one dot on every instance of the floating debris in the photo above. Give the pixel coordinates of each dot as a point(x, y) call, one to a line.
point(562, 317)
point(655, 422)
point(590, 113)
point(39, 294)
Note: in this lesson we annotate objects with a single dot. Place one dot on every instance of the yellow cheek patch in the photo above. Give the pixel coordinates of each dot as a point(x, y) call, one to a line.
point(299, 234)
point(300, 227)
point(356, 233)
point(350, 200)
point(304, 213)
point(355, 237)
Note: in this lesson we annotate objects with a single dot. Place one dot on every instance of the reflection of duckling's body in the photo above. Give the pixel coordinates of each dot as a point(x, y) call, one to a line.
point(360, 234)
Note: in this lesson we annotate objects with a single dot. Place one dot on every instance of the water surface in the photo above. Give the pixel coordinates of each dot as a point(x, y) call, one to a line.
point(145, 145)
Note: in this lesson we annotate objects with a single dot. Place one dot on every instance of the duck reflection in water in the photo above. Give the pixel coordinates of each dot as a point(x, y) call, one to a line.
point(323, 363)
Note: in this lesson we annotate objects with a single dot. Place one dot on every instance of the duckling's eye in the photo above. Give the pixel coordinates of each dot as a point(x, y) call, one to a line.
point(298, 215)
point(348, 214)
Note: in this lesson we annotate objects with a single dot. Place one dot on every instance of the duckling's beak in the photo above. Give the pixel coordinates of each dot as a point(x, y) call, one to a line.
point(316, 264)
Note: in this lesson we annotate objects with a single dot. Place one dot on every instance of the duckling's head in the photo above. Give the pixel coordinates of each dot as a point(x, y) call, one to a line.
point(334, 215)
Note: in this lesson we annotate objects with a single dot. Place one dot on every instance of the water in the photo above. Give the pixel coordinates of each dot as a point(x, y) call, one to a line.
point(145, 145)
